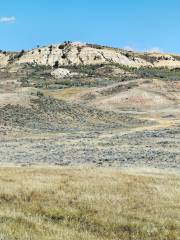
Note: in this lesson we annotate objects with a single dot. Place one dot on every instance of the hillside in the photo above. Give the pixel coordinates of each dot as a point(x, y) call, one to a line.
point(73, 104)
point(86, 54)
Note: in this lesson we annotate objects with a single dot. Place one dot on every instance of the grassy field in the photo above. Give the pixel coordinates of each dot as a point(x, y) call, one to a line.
point(88, 203)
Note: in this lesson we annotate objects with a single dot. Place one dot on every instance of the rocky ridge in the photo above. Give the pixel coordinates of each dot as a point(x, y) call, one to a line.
point(88, 54)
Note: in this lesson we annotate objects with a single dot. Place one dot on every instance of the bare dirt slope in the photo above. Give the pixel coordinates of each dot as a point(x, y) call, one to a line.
point(100, 112)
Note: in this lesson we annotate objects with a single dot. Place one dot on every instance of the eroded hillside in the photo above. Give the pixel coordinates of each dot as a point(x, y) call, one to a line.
point(87, 54)
point(68, 105)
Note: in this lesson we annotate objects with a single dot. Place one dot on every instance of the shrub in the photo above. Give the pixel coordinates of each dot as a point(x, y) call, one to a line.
point(56, 64)
point(50, 48)
point(64, 56)
point(61, 46)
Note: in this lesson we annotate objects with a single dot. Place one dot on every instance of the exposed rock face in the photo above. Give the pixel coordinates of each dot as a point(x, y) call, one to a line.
point(62, 73)
point(165, 60)
point(76, 54)
point(73, 55)
point(4, 58)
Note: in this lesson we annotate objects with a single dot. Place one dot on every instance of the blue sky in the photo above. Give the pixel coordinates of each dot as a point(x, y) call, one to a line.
point(136, 24)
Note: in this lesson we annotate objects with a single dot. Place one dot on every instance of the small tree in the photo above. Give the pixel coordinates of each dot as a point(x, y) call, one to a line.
point(21, 53)
point(56, 64)
point(64, 56)
point(50, 48)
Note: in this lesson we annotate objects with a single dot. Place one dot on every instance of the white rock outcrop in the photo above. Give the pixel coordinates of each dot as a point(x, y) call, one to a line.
point(82, 54)
point(4, 58)
point(62, 73)
point(75, 55)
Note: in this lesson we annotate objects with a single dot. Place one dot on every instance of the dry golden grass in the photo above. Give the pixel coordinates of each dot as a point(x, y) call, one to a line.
point(46, 203)
point(68, 93)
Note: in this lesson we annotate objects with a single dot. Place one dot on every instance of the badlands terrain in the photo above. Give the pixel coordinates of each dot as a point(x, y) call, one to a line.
point(112, 116)
point(75, 104)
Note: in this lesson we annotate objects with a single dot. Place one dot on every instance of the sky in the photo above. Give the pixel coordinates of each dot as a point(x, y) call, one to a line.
point(141, 25)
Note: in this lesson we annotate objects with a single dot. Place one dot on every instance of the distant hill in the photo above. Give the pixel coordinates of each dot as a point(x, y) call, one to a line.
point(86, 54)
